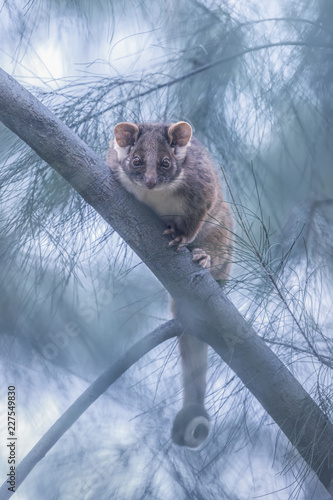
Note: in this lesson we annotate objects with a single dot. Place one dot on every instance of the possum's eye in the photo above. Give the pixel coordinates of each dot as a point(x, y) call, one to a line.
point(136, 161)
point(165, 163)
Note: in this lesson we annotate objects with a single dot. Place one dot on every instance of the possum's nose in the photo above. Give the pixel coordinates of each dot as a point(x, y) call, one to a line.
point(150, 183)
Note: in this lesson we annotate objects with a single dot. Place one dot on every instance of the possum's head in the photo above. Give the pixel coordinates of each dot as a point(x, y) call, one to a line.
point(152, 155)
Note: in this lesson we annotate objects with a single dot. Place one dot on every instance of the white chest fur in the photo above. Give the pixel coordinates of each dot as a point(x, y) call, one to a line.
point(163, 201)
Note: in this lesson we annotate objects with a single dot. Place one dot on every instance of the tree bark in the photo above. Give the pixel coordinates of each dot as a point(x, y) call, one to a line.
point(207, 311)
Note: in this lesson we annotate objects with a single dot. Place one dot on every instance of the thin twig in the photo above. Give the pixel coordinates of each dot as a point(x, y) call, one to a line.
point(270, 276)
point(88, 397)
point(200, 69)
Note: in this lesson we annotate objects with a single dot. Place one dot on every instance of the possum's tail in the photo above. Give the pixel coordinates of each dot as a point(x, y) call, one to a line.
point(191, 425)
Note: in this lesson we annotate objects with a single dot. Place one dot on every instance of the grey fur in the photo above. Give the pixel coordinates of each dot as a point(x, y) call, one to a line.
point(166, 168)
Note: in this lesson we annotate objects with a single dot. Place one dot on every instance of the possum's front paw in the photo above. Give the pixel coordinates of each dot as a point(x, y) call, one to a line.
point(178, 239)
point(201, 257)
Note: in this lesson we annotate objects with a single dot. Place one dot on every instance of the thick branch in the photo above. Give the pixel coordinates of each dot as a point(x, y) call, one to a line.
point(96, 389)
point(222, 326)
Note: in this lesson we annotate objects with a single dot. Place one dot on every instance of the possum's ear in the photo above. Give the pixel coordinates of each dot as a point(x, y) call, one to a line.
point(126, 134)
point(180, 134)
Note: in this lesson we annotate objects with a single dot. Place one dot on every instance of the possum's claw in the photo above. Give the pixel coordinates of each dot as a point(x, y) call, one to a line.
point(201, 257)
point(178, 240)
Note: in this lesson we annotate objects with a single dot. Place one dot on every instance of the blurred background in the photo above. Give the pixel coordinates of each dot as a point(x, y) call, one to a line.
point(255, 80)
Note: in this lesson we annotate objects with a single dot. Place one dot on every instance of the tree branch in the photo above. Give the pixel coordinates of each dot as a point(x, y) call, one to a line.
point(87, 398)
point(209, 313)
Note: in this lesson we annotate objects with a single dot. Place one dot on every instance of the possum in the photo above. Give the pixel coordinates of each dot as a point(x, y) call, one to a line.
point(169, 170)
